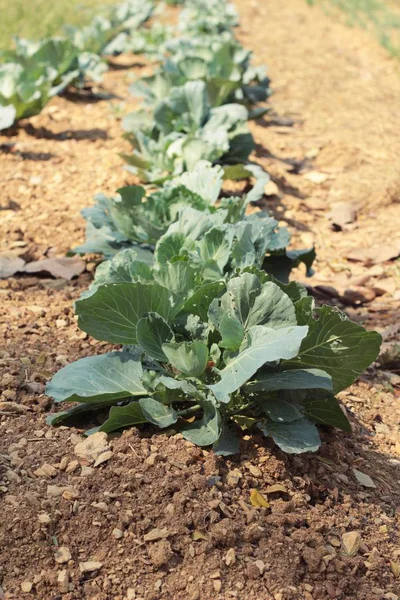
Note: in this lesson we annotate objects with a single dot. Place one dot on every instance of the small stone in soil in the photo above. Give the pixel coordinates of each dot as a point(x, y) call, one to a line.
point(63, 581)
point(63, 555)
point(90, 566)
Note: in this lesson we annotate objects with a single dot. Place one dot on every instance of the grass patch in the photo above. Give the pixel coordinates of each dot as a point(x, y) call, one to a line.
point(378, 16)
point(40, 18)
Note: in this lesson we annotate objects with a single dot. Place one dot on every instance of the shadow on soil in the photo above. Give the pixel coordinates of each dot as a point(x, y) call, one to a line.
point(78, 134)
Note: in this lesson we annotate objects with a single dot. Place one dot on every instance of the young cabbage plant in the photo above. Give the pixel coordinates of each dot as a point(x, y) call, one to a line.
point(207, 17)
point(184, 129)
point(223, 65)
point(131, 218)
point(34, 72)
point(211, 357)
point(111, 34)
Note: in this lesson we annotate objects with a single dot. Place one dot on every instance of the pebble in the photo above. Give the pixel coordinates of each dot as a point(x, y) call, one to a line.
point(217, 585)
point(63, 581)
point(117, 533)
point(233, 477)
point(44, 518)
point(255, 471)
point(351, 542)
point(63, 555)
point(230, 557)
point(103, 458)
point(26, 586)
point(46, 470)
point(55, 490)
point(89, 566)
point(92, 447)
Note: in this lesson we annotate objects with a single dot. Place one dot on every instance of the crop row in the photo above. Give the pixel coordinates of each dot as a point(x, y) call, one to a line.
point(210, 336)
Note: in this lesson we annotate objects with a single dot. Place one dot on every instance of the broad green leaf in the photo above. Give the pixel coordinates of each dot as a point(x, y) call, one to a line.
point(301, 379)
point(216, 246)
point(123, 208)
point(123, 416)
point(279, 410)
point(232, 332)
point(336, 345)
point(293, 438)
point(227, 442)
point(152, 332)
point(324, 408)
point(113, 311)
point(157, 413)
point(253, 303)
point(261, 345)
point(190, 358)
point(204, 180)
point(177, 277)
point(98, 379)
point(206, 430)
point(199, 302)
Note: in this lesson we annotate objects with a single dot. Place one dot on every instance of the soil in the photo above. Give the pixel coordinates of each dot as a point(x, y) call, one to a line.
point(161, 518)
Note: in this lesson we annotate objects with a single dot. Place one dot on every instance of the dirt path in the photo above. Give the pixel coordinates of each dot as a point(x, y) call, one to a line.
point(335, 113)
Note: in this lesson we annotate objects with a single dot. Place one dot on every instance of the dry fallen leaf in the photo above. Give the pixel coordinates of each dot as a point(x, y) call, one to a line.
point(230, 557)
point(364, 479)
point(10, 265)
point(63, 267)
point(199, 535)
point(156, 534)
point(375, 254)
point(257, 500)
point(395, 568)
point(351, 542)
point(342, 213)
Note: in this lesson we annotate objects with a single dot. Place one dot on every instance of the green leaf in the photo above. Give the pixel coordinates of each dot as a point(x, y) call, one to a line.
point(123, 416)
point(124, 208)
point(152, 332)
point(97, 379)
point(280, 411)
point(336, 345)
point(190, 358)
point(324, 408)
point(157, 413)
point(293, 438)
point(261, 345)
point(206, 430)
point(177, 277)
point(232, 332)
point(301, 379)
point(227, 443)
point(253, 303)
point(113, 311)
point(199, 302)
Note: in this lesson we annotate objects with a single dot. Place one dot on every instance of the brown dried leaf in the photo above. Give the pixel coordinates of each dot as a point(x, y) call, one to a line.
point(277, 488)
point(342, 213)
point(375, 254)
point(199, 535)
point(10, 265)
point(62, 267)
point(257, 500)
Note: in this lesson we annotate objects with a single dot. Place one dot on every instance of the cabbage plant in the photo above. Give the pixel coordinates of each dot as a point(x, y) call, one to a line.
point(210, 355)
point(183, 129)
point(222, 63)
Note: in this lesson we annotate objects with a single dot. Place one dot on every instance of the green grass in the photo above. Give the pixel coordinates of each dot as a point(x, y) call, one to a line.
point(35, 19)
point(381, 17)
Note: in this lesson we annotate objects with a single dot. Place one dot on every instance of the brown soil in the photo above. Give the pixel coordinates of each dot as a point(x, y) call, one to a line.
point(335, 112)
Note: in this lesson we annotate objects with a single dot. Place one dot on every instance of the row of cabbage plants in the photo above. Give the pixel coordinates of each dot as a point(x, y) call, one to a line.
point(210, 338)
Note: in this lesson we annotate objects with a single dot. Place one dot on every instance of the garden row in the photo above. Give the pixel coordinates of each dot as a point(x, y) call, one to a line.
point(210, 336)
